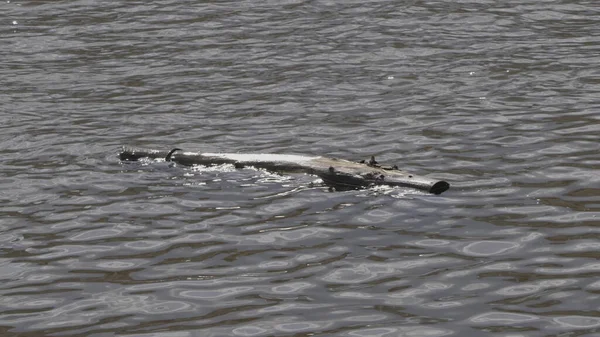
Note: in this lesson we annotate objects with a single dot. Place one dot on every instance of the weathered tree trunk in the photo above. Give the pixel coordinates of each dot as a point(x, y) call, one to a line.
point(339, 173)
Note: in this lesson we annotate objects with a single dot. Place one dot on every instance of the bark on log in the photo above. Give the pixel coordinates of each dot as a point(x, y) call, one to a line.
point(339, 173)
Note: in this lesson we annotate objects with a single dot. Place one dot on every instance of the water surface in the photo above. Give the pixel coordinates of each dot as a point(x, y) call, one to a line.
point(500, 98)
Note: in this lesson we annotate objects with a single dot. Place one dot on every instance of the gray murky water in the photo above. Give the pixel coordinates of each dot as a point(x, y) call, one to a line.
point(500, 98)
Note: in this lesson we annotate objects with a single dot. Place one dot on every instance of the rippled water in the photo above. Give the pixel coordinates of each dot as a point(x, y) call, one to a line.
point(500, 98)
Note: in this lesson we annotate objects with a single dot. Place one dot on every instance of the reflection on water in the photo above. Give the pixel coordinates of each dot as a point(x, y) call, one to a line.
point(500, 99)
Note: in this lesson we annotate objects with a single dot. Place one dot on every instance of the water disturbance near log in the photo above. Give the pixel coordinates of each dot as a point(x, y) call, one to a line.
point(338, 173)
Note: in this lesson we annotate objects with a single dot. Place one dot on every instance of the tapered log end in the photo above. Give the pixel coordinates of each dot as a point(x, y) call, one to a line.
point(439, 187)
point(134, 154)
point(128, 155)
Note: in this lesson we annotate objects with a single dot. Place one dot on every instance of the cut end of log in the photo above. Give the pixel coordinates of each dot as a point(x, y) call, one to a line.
point(439, 187)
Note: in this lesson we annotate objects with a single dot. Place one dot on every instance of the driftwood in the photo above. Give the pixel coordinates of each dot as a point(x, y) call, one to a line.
point(339, 173)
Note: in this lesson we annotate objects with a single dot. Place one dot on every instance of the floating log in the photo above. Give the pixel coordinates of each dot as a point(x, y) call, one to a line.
point(339, 173)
